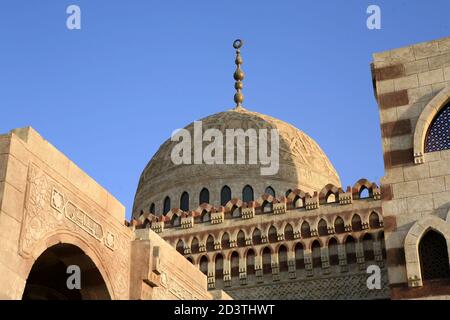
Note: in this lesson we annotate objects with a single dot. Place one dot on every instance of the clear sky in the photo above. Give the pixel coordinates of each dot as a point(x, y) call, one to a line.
point(109, 94)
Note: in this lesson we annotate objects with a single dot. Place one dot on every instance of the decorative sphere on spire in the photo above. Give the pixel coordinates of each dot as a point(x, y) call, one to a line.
point(238, 74)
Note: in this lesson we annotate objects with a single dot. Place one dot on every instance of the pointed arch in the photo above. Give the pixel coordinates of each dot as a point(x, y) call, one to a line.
point(426, 118)
point(412, 242)
point(350, 249)
point(305, 230)
point(180, 246)
point(225, 195)
point(166, 206)
point(272, 234)
point(256, 237)
point(210, 243)
point(240, 239)
point(315, 254)
point(270, 191)
point(288, 232)
point(339, 226)
point(247, 194)
point(374, 220)
point(322, 227)
point(299, 256)
point(356, 222)
point(204, 196)
point(250, 257)
point(333, 252)
point(203, 264)
point(225, 241)
point(195, 247)
point(184, 201)
point(282, 258)
point(218, 267)
point(267, 260)
point(367, 241)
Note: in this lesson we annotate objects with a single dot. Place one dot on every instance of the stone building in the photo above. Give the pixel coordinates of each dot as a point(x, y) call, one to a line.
point(299, 233)
point(214, 231)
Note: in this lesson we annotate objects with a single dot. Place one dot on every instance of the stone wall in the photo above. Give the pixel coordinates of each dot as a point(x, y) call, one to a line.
point(46, 200)
point(411, 85)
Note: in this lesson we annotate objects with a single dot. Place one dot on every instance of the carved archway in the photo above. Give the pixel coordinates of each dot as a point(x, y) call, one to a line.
point(49, 276)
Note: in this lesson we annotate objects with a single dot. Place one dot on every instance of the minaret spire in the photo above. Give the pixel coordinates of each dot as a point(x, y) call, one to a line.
point(238, 75)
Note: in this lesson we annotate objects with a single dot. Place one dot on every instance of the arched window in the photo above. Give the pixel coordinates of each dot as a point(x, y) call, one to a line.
point(180, 246)
point(273, 237)
point(219, 269)
point(204, 196)
point(235, 212)
point(269, 190)
point(288, 232)
point(234, 261)
point(299, 256)
point(250, 262)
point(434, 256)
point(374, 221)
point(350, 249)
point(339, 226)
point(368, 247)
point(205, 216)
point(210, 243)
point(356, 223)
point(190, 260)
point(204, 265)
point(282, 258)
point(256, 237)
point(267, 207)
point(240, 239)
point(364, 193)
point(322, 228)
point(247, 194)
point(267, 260)
point(298, 202)
point(333, 252)
point(166, 205)
point(331, 198)
point(176, 220)
point(152, 208)
point(288, 192)
point(184, 201)
point(315, 252)
point(195, 246)
point(305, 230)
point(438, 135)
point(225, 241)
point(225, 195)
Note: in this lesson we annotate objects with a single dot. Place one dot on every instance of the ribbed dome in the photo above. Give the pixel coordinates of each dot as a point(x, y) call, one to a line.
point(302, 164)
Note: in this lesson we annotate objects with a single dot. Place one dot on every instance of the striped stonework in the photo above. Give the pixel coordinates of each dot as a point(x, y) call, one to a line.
point(411, 85)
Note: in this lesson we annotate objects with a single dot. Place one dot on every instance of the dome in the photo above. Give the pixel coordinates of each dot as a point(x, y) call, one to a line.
point(302, 164)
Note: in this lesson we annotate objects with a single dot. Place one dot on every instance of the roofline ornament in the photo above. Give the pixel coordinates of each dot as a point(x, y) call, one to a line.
point(238, 75)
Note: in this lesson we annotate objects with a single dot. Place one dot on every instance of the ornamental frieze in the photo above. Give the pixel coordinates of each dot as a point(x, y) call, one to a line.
point(51, 208)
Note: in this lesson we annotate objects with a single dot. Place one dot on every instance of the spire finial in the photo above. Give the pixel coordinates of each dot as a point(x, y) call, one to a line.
point(238, 75)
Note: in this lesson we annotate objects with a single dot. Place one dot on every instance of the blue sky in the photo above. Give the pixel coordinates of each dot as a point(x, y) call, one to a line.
point(109, 94)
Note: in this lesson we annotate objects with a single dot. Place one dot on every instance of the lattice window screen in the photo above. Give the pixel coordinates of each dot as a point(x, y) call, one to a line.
point(438, 137)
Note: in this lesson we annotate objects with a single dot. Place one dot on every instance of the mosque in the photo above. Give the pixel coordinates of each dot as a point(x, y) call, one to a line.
point(224, 230)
